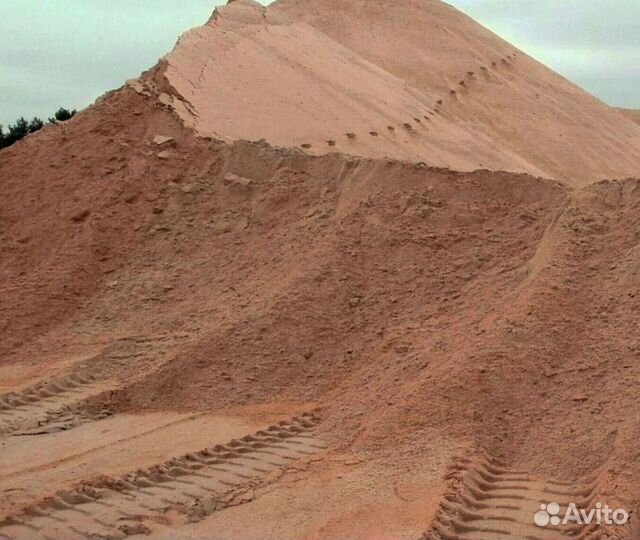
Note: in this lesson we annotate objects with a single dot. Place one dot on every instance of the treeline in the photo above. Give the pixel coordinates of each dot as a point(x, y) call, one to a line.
point(23, 127)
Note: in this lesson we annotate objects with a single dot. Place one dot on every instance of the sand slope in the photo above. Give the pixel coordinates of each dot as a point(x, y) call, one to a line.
point(631, 113)
point(418, 81)
point(426, 311)
point(442, 328)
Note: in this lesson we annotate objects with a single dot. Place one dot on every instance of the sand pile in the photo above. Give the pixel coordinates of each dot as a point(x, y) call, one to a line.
point(428, 312)
point(417, 80)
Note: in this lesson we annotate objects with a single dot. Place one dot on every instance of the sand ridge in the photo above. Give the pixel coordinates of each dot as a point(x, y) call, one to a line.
point(417, 81)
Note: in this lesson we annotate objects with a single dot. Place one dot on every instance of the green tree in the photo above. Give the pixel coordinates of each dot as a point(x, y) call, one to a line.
point(19, 130)
point(62, 115)
point(35, 125)
point(23, 127)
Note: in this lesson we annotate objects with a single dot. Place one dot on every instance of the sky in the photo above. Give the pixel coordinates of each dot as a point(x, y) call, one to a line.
point(66, 53)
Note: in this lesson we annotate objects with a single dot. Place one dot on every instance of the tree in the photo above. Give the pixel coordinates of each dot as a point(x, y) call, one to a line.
point(19, 130)
point(23, 127)
point(62, 115)
point(35, 125)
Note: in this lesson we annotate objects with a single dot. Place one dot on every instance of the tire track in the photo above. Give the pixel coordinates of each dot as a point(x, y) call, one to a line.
point(50, 406)
point(57, 404)
point(492, 502)
point(112, 445)
point(194, 485)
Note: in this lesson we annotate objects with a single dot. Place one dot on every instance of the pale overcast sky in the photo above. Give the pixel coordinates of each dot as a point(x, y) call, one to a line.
point(68, 52)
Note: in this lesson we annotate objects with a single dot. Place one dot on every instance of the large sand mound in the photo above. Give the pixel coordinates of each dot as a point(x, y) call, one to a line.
point(414, 80)
point(412, 304)
point(450, 330)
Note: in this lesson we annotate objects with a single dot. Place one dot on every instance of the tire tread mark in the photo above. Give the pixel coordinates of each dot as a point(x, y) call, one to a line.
point(194, 484)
